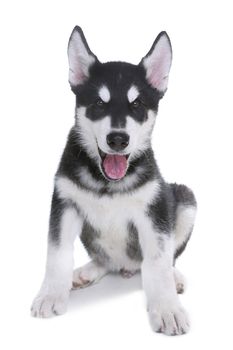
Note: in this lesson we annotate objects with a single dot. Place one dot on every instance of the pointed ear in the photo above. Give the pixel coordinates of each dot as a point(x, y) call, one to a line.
point(157, 62)
point(80, 57)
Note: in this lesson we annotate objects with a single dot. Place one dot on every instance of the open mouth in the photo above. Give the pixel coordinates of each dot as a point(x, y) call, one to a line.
point(114, 166)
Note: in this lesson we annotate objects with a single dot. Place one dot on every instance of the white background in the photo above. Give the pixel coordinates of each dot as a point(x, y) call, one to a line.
point(192, 142)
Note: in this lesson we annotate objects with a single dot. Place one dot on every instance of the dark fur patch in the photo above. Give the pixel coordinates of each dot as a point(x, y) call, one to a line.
point(133, 248)
point(162, 210)
point(89, 238)
point(183, 195)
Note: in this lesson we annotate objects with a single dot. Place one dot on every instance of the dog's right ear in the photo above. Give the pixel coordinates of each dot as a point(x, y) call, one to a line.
point(80, 57)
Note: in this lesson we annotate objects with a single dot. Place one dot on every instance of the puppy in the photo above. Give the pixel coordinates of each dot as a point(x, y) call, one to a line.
point(109, 190)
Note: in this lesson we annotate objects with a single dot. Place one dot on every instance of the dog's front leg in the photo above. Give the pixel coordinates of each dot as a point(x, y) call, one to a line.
point(65, 224)
point(165, 311)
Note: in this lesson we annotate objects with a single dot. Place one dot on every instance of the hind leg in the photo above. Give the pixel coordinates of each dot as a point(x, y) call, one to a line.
point(183, 230)
point(186, 207)
point(88, 274)
point(185, 217)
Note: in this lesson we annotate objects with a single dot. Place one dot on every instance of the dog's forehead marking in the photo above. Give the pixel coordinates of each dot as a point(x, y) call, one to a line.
point(132, 93)
point(104, 94)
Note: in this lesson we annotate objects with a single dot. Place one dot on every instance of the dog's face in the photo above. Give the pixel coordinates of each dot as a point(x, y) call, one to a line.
point(117, 102)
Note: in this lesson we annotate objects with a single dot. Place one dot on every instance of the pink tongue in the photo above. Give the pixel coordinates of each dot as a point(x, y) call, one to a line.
point(115, 166)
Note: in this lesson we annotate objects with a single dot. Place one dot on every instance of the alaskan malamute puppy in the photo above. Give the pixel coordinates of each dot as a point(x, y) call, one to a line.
point(109, 190)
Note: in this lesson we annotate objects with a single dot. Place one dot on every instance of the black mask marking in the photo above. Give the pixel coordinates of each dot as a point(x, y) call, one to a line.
point(118, 77)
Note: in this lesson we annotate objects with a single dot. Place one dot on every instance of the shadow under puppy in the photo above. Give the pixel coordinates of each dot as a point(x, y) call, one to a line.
point(109, 190)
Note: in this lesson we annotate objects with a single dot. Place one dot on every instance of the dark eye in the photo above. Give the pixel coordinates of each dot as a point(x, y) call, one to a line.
point(136, 103)
point(99, 103)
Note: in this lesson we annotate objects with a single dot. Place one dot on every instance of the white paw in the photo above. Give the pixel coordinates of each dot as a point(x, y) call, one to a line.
point(170, 321)
point(127, 273)
point(47, 305)
point(87, 274)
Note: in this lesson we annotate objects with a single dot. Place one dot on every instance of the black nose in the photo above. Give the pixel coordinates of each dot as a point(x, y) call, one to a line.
point(118, 140)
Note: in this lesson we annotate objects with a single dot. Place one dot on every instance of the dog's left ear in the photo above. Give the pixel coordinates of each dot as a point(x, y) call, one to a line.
point(80, 57)
point(157, 62)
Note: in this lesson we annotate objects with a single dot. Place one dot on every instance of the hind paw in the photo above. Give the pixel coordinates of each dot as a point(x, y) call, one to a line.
point(127, 273)
point(88, 274)
point(180, 281)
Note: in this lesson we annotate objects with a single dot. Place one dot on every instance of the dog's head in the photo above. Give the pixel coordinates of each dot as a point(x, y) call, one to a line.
point(117, 102)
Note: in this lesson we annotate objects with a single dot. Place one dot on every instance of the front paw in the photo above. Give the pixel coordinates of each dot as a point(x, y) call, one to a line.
point(171, 320)
point(49, 304)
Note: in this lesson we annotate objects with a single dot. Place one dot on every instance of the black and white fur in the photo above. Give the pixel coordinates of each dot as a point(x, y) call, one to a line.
point(138, 222)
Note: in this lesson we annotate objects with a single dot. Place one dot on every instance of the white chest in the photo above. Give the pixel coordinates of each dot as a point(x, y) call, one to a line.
point(110, 215)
